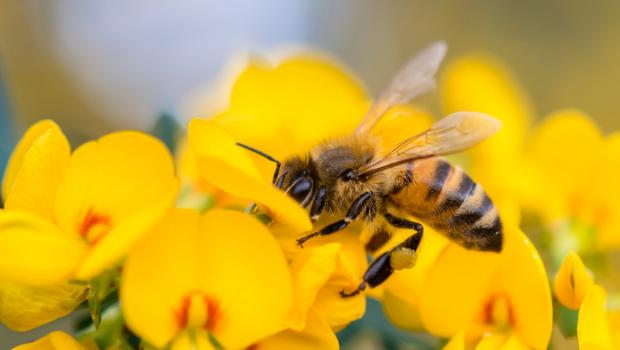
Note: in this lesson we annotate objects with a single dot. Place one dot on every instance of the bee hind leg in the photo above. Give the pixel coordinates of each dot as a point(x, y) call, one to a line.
point(402, 256)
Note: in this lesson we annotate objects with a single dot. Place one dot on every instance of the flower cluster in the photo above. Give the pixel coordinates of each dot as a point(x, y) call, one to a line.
point(199, 250)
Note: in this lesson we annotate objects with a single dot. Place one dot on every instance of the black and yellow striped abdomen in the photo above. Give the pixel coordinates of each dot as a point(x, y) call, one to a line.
point(448, 200)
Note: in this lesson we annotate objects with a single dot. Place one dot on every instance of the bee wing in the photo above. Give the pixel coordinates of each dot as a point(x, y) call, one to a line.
point(415, 78)
point(454, 133)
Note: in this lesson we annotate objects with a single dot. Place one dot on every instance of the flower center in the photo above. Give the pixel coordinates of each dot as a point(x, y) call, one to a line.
point(498, 312)
point(198, 311)
point(94, 226)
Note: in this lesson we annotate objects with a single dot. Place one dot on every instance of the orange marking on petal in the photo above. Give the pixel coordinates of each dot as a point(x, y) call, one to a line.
point(498, 311)
point(94, 226)
point(213, 312)
point(198, 311)
point(182, 314)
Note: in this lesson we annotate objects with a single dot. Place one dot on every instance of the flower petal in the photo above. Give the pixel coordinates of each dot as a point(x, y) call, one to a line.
point(229, 167)
point(400, 123)
point(593, 331)
point(319, 274)
point(317, 334)
point(240, 259)
point(56, 340)
point(402, 290)
point(283, 110)
point(457, 295)
point(228, 256)
point(23, 308)
point(124, 179)
point(484, 84)
point(572, 281)
point(32, 251)
point(159, 272)
point(457, 342)
point(185, 342)
point(560, 139)
point(605, 191)
point(351, 263)
point(36, 168)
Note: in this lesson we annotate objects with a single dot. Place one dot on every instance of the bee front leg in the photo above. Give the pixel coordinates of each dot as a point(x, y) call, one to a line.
point(352, 213)
point(400, 257)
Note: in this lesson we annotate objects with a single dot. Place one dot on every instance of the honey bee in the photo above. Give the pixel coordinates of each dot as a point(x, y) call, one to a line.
point(356, 179)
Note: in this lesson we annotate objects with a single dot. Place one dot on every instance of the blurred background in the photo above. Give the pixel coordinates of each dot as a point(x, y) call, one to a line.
point(98, 66)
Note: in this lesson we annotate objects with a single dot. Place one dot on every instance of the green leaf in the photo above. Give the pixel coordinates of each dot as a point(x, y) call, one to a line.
point(167, 129)
point(566, 320)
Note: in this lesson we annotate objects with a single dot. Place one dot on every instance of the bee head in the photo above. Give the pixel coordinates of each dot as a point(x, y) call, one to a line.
point(298, 179)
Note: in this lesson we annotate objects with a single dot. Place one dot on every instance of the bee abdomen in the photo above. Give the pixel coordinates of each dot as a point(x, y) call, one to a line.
point(447, 199)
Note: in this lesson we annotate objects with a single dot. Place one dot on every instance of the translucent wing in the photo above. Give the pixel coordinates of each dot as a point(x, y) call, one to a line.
point(415, 78)
point(452, 134)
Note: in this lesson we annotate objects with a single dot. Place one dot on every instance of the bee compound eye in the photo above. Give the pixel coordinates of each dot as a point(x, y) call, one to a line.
point(301, 189)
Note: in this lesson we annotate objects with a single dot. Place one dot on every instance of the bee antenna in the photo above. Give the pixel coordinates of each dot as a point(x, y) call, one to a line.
point(264, 155)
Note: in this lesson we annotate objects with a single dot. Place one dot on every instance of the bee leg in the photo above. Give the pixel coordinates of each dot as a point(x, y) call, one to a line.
point(319, 203)
point(378, 271)
point(378, 239)
point(400, 257)
point(404, 223)
point(404, 254)
point(354, 211)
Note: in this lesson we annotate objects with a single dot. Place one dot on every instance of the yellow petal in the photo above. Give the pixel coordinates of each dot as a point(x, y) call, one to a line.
point(458, 295)
point(400, 123)
point(23, 308)
point(593, 330)
point(338, 311)
point(114, 190)
point(484, 84)
point(36, 168)
point(319, 274)
point(492, 341)
point(572, 281)
point(402, 290)
point(56, 340)
point(605, 191)
point(560, 139)
point(501, 341)
point(457, 342)
point(226, 256)
point(229, 167)
point(200, 341)
point(159, 272)
point(243, 257)
point(32, 251)
point(284, 110)
point(317, 334)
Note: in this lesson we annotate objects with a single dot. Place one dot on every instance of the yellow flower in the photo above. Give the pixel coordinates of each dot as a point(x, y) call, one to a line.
point(196, 192)
point(578, 168)
point(503, 295)
point(281, 110)
point(400, 295)
point(484, 84)
point(565, 172)
point(597, 327)
point(71, 216)
point(320, 272)
point(572, 281)
point(56, 340)
point(221, 275)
